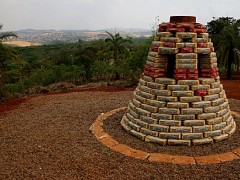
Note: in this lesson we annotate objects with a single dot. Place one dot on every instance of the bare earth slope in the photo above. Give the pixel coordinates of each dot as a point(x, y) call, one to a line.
point(48, 137)
point(21, 43)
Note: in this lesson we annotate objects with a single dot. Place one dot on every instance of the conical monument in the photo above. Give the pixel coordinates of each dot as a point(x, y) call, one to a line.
point(179, 99)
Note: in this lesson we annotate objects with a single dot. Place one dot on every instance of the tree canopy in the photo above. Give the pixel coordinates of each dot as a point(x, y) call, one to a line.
point(225, 34)
point(77, 63)
point(5, 35)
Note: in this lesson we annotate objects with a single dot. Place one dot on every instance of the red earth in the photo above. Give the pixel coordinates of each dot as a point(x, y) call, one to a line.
point(14, 103)
point(48, 137)
point(231, 87)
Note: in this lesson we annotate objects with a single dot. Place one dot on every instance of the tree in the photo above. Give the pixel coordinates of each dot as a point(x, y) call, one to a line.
point(85, 57)
point(119, 47)
point(6, 53)
point(6, 35)
point(100, 47)
point(224, 33)
point(137, 59)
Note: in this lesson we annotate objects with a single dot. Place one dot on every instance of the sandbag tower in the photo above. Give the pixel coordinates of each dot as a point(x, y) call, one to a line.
point(179, 99)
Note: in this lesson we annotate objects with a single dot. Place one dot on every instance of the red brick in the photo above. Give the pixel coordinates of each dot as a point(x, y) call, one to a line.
point(106, 115)
point(216, 158)
point(235, 113)
point(100, 134)
point(167, 158)
point(97, 129)
point(124, 149)
point(237, 151)
point(108, 141)
point(138, 154)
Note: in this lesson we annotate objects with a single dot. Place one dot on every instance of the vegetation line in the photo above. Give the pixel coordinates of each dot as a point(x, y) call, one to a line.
point(110, 59)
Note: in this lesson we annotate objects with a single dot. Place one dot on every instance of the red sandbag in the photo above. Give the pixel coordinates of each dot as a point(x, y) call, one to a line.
point(192, 76)
point(209, 75)
point(146, 73)
point(181, 30)
point(186, 50)
point(161, 29)
point(146, 67)
point(157, 70)
point(165, 26)
point(154, 48)
point(174, 30)
point(157, 75)
point(192, 71)
point(171, 25)
point(201, 92)
point(208, 70)
point(180, 76)
point(198, 30)
point(202, 45)
point(169, 44)
point(185, 25)
point(199, 26)
point(180, 71)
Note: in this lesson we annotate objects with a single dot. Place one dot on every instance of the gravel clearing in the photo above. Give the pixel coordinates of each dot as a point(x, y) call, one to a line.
point(48, 137)
point(111, 126)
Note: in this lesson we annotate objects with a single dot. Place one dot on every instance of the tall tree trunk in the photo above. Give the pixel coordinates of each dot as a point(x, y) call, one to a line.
point(230, 61)
point(117, 76)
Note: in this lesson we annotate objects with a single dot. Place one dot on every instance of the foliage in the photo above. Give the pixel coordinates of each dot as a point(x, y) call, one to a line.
point(6, 53)
point(97, 60)
point(224, 32)
point(119, 48)
point(137, 59)
point(4, 36)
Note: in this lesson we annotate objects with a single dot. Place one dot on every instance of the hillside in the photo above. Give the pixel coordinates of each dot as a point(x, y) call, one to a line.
point(72, 36)
point(21, 43)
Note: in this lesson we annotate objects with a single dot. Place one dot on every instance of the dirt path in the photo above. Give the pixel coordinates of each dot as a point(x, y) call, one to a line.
point(47, 137)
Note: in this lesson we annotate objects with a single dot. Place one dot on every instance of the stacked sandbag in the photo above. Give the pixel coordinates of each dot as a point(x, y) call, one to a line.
point(156, 64)
point(186, 66)
point(183, 112)
point(187, 41)
point(208, 65)
point(189, 109)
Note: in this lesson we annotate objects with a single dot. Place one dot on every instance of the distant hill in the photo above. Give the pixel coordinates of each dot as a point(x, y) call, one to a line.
point(21, 43)
point(117, 30)
point(51, 36)
point(127, 30)
point(39, 31)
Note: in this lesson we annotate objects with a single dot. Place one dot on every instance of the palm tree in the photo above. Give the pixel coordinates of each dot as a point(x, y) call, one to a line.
point(5, 35)
point(85, 57)
point(100, 47)
point(118, 46)
point(237, 62)
point(228, 42)
point(225, 35)
point(5, 53)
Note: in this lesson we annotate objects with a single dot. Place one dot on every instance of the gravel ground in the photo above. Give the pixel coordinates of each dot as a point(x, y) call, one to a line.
point(111, 126)
point(48, 137)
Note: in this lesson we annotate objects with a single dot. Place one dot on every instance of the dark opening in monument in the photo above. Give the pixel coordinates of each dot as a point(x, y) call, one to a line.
point(171, 63)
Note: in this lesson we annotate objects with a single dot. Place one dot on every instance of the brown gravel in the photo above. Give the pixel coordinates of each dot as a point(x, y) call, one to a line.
point(48, 137)
point(111, 126)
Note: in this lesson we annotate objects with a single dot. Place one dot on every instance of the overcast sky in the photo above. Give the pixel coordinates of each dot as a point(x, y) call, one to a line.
point(102, 14)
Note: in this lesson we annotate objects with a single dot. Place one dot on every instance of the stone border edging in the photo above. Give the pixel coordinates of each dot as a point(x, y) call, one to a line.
point(97, 129)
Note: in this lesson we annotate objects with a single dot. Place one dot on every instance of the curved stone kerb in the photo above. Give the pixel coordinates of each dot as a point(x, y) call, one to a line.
point(97, 129)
